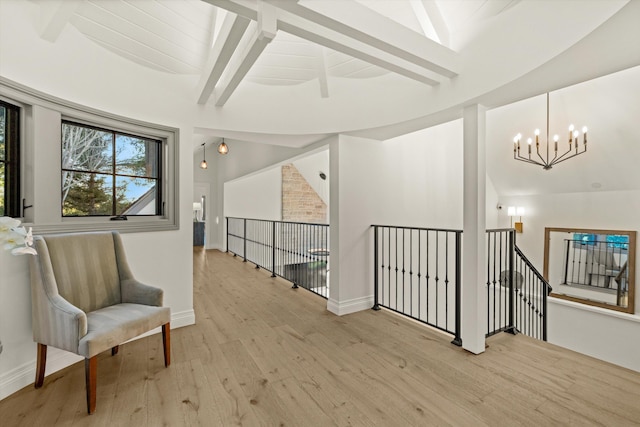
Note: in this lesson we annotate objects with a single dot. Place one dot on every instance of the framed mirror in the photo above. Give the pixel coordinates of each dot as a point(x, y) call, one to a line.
point(594, 267)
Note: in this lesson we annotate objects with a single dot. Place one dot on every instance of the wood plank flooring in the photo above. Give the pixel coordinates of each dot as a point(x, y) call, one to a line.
point(263, 354)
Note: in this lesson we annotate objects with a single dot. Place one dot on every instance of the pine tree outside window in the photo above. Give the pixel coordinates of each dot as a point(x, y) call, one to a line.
point(109, 173)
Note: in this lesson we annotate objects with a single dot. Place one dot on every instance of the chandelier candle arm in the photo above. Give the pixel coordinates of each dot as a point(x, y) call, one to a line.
point(546, 164)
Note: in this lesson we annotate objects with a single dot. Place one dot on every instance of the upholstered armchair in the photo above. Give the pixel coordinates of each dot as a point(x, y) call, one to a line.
point(85, 300)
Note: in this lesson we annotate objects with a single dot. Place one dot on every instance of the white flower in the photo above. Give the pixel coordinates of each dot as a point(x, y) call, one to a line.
point(15, 238)
point(7, 224)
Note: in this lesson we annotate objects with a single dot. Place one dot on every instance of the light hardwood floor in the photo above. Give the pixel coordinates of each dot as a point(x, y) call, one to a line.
point(262, 353)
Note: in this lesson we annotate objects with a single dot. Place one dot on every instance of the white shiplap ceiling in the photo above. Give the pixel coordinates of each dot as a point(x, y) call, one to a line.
point(175, 36)
point(167, 35)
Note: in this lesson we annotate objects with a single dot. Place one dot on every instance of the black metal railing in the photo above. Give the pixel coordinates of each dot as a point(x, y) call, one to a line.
point(295, 251)
point(417, 274)
point(516, 291)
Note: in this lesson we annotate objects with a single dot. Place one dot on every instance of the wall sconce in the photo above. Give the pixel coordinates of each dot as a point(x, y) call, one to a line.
point(516, 211)
point(223, 148)
point(203, 163)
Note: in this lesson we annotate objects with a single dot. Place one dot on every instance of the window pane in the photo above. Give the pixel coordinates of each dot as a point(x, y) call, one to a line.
point(136, 196)
point(3, 121)
point(136, 156)
point(86, 149)
point(2, 183)
point(88, 194)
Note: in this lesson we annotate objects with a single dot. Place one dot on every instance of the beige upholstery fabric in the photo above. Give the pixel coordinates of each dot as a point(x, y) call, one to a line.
point(85, 269)
point(84, 297)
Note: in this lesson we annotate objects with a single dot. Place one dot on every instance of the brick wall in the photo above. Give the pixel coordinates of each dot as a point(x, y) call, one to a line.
point(300, 202)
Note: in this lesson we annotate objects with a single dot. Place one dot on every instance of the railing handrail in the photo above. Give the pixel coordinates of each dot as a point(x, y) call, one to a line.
point(278, 221)
point(533, 269)
point(498, 230)
point(408, 227)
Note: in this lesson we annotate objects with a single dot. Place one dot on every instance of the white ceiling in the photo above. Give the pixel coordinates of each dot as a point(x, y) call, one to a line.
point(166, 35)
point(377, 59)
point(175, 36)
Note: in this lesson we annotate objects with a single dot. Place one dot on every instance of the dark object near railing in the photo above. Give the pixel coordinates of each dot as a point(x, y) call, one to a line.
point(516, 291)
point(295, 251)
point(418, 273)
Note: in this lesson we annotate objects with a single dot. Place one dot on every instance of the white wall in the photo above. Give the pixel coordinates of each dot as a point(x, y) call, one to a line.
point(420, 178)
point(598, 332)
point(77, 70)
point(257, 196)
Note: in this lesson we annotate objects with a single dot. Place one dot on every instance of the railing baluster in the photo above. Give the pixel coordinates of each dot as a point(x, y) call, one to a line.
point(519, 296)
point(457, 334)
point(409, 253)
point(511, 275)
point(244, 250)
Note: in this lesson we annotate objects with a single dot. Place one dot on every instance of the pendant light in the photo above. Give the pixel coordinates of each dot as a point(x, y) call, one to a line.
point(223, 148)
point(203, 163)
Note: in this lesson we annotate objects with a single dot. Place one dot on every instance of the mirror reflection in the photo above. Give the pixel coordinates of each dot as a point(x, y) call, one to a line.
point(595, 267)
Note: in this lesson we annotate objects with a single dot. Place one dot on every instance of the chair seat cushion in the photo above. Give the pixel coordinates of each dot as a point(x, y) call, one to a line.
point(113, 325)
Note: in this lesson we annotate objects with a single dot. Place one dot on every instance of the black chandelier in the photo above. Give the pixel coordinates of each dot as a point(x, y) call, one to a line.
point(573, 151)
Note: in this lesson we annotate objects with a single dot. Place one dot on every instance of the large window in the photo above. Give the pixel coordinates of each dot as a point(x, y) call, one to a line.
point(109, 173)
point(9, 160)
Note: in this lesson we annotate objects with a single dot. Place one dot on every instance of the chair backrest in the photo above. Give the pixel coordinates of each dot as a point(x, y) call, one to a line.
point(85, 268)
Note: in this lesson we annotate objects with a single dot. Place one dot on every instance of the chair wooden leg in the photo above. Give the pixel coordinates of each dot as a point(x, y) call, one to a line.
point(91, 373)
point(166, 343)
point(114, 350)
point(41, 364)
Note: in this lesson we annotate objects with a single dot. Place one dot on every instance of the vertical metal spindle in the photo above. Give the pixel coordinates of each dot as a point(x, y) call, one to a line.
point(446, 281)
point(396, 229)
point(426, 291)
point(437, 278)
point(488, 282)
point(403, 270)
point(512, 253)
point(273, 249)
point(244, 250)
point(376, 306)
point(545, 293)
point(458, 339)
point(419, 275)
point(411, 272)
point(494, 281)
point(296, 258)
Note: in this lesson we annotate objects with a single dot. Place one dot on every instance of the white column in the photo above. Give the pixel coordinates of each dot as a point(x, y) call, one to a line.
point(473, 247)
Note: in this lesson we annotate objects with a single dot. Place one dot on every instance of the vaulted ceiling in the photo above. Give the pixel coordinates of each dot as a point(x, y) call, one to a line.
point(291, 72)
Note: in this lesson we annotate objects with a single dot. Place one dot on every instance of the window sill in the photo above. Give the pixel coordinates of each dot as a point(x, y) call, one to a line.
point(133, 225)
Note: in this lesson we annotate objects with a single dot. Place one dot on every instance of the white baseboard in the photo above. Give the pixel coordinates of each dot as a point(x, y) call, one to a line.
point(350, 306)
point(24, 375)
point(215, 246)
